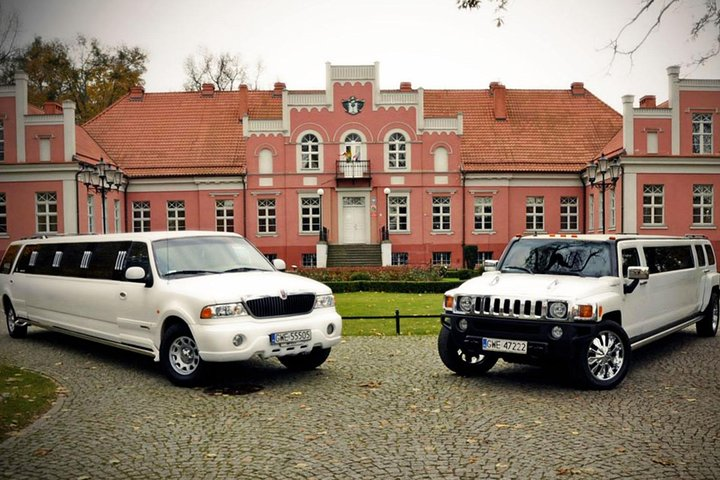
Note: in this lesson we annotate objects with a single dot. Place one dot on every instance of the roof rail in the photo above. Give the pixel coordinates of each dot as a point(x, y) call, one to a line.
point(695, 235)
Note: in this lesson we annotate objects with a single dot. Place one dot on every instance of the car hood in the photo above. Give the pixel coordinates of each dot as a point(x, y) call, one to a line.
point(522, 285)
point(233, 287)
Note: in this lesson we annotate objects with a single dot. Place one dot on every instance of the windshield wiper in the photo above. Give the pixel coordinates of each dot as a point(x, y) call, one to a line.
point(242, 269)
point(515, 267)
point(189, 272)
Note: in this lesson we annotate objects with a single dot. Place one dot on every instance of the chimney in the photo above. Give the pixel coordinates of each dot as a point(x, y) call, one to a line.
point(243, 102)
point(278, 90)
point(577, 88)
point(405, 87)
point(207, 89)
point(648, 101)
point(52, 108)
point(137, 92)
point(69, 138)
point(497, 90)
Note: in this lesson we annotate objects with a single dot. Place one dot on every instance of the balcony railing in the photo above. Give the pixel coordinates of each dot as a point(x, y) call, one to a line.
point(353, 169)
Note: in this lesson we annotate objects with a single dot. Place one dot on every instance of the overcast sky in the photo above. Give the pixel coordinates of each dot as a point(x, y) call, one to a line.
point(543, 44)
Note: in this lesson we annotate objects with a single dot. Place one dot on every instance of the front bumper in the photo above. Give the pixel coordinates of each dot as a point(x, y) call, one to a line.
point(541, 345)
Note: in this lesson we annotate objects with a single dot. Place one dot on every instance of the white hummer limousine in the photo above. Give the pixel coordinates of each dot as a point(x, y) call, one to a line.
point(184, 298)
point(582, 300)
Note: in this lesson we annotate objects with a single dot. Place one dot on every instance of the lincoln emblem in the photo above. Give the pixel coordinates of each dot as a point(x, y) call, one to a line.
point(283, 294)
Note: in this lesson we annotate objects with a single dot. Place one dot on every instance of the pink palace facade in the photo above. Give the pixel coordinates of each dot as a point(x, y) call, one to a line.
point(416, 176)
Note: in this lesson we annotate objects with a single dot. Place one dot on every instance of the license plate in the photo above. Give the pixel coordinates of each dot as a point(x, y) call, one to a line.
point(286, 338)
point(502, 345)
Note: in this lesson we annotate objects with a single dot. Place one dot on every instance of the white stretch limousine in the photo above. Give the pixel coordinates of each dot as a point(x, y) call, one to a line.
point(184, 298)
point(585, 300)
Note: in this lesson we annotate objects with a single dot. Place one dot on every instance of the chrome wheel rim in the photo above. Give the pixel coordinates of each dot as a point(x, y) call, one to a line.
point(605, 356)
point(11, 322)
point(716, 314)
point(184, 355)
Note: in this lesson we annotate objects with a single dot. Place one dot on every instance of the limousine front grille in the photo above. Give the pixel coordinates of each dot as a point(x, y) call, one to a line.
point(299, 304)
point(509, 307)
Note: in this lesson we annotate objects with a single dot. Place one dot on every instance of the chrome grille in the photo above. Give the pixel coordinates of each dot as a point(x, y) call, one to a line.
point(299, 304)
point(510, 307)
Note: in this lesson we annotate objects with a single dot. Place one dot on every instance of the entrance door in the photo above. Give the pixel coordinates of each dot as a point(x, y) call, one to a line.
point(354, 217)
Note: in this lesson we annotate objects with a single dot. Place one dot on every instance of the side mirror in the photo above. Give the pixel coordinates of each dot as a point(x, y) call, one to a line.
point(135, 273)
point(490, 265)
point(279, 264)
point(638, 273)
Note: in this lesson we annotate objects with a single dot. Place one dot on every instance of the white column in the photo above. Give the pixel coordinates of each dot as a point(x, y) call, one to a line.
point(21, 105)
point(386, 253)
point(628, 124)
point(69, 129)
point(321, 249)
point(70, 206)
point(674, 101)
point(629, 202)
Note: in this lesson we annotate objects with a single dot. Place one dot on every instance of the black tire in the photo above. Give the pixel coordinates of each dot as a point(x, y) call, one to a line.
point(15, 329)
point(180, 357)
point(460, 361)
point(306, 361)
point(603, 361)
point(708, 326)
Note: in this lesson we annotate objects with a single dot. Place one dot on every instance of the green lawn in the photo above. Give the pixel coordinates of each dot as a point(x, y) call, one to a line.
point(24, 395)
point(374, 304)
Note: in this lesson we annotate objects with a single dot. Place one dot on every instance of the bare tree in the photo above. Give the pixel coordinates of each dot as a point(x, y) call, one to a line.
point(9, 26)
point(225, 71)
point(653, 10)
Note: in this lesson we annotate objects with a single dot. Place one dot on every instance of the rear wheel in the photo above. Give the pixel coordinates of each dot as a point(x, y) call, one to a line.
point(603, 361)
point(306, 361)
point(180, 356)
point(461, 361)
point(708, 326)
point(15, 328)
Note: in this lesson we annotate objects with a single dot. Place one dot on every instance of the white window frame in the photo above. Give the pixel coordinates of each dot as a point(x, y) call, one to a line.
point(613, 210)
point(225, 215)
point(441, 213)
point(176, 215)
point(653, 205)
point(3, 214)
point(309, 213)
point(569, 214)
point(535, 213)
point(309, 260)
point(399, 258)
point(703, 207)
point(702, 138)
point(2, 140)
point(46, 212)
point(591, 213)
point(397, 151)
point(397, 202)
point(312, 149)
point(483, 214)
point(141, 216)
point(91, 213)
point(266, 216)
point(117, 216)
point(441, 258)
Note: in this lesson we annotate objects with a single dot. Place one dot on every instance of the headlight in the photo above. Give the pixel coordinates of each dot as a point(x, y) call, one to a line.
point(465, 304)
point(223, 311)
point(557, 310)
point(324, 301)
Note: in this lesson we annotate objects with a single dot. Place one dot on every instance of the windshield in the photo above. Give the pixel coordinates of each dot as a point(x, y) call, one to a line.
point(205, 255)
point(559, 257)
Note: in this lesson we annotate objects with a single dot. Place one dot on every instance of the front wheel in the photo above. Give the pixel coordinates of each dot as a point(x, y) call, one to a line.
point(603, 361)
point(306, 361)
point(15, 328)
point(461, 361)
point(708, 326)
point(180, 356)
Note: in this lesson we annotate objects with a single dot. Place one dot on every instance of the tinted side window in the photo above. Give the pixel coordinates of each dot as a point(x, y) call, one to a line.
point(103, 263)
point(9, 258)
point(137, 256)
point(668, 259)
point(700, 255)
point(710, 254)
point(42, 264)
point(630, 258)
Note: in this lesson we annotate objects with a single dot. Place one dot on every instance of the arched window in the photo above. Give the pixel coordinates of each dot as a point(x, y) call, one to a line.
point(397, 151)
point(265, 162)
point(309, 152)
point(441, 159)
point(353, 144)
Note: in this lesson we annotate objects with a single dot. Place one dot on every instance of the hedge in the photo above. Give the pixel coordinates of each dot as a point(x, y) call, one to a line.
point(391, 287)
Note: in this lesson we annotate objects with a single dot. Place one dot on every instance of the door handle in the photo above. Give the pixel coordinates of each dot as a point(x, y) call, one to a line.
point(123, 295)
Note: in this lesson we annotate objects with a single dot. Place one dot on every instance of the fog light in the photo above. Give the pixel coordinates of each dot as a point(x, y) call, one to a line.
point(462, 325)
point(238, 340)
point(330, 328)
point(556, 332)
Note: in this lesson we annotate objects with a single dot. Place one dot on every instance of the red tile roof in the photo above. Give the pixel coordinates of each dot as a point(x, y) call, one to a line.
point(87, 149)
point(545, 130)
point(173, 134)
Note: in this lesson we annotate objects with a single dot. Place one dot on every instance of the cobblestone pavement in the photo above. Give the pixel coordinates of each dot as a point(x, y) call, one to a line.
point(379, 408)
